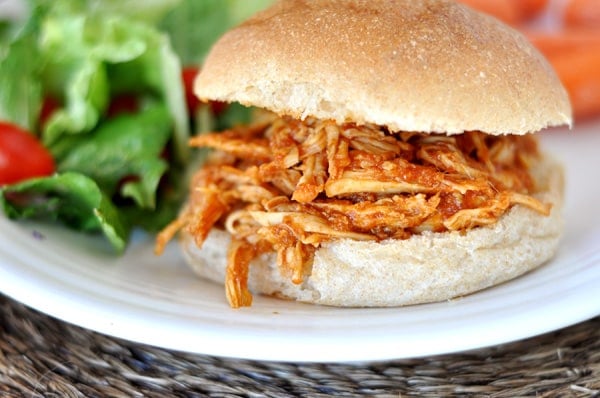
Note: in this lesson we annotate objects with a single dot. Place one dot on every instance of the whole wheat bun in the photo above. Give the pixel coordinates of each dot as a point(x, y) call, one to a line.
point(431, 66)
point(424, 268)
point(426, 66)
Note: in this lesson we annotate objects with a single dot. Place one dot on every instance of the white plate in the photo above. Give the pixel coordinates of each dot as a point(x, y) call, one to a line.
point(157, 300)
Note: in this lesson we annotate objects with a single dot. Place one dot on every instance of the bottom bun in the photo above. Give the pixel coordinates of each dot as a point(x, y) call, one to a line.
point(424, 268)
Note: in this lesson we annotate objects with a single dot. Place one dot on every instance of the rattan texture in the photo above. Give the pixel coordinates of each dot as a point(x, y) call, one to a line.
point(44, 357)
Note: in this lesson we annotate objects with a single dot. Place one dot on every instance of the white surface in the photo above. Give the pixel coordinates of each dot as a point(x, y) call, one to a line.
point(157, 300)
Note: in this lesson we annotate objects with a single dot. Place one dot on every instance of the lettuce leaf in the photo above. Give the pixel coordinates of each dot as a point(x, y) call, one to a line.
point(108, 55)
point(123, 155)
point(106, 181)
point(194, 26)
point(114, 173)
point(72, 198)
point(20, 65)
point(149, 11)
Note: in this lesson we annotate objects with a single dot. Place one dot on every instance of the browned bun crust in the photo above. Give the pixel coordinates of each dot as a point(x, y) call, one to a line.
point(424, 268)
point(430, 66)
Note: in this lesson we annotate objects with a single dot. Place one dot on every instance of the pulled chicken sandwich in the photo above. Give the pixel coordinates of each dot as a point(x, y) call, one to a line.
point(392, 163)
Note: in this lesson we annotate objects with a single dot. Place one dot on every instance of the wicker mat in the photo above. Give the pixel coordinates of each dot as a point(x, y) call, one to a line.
point(43, 357)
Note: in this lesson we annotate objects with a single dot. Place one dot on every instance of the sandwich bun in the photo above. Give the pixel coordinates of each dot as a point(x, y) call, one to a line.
point(422, 66)
point(430, 66)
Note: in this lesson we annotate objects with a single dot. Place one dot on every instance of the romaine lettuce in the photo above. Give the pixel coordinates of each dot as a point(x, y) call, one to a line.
point(114, 173)
point(71, 198)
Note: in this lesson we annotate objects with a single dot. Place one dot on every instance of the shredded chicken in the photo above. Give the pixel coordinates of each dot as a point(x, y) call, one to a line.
point(287, 186)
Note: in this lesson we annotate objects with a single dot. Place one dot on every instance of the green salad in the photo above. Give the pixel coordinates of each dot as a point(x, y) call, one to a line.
point(103, 86)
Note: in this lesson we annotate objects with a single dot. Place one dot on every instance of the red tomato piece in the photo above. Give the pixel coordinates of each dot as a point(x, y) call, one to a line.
point(188, 74)
point(22, 156)
point(217, 107)
point(123, 103)
point(49, 106)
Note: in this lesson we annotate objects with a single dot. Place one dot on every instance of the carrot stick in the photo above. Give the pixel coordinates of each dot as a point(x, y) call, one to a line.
point(582, 13)
point(512, 12)
point(530, 8)
point(561, 41)
point(579, 71)
point(507, 11)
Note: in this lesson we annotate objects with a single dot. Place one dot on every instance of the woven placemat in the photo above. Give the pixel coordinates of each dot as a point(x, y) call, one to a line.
point(43, 357)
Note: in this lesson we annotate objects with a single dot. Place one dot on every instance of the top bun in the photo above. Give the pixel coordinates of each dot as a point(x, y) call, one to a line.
point(429, 66)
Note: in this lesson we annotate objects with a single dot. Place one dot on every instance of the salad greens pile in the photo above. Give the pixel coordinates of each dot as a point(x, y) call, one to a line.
point(99, 83)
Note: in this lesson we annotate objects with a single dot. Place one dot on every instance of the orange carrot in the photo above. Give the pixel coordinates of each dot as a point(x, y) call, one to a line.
point(512, 12)
point(505, 10)
point(561, 41)
point(530, 8)
point(579, 70)
point(582, 13)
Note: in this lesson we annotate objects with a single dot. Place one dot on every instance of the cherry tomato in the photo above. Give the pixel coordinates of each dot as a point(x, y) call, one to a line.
point(217, 106)
point(49, 106)
point(188, 75)
point(22, 156)
point(123, 103)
